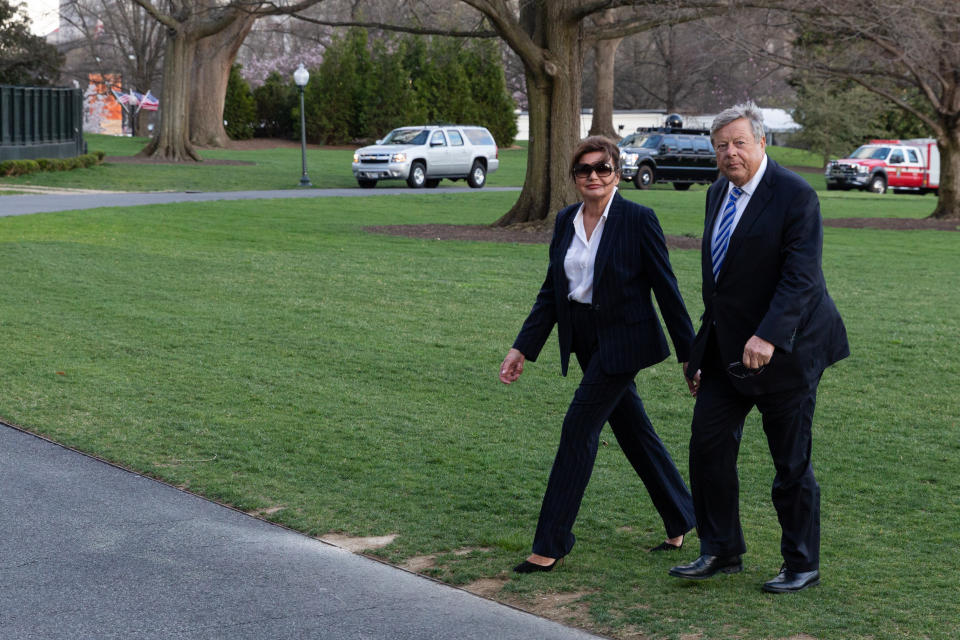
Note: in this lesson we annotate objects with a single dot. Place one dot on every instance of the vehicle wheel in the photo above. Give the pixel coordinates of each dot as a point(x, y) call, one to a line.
point(878, 184)
point(418, 175)
point(681, 186)
point(478, 175)
point(644, 178)
point(366, 184)
point(832, 187)
point(432, 183)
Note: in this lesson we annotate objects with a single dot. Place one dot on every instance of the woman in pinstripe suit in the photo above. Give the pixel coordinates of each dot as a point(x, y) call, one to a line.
point(606, 257)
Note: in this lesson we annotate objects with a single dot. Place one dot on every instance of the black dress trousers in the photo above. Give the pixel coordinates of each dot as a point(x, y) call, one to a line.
point(601, 398)
point(718, 420)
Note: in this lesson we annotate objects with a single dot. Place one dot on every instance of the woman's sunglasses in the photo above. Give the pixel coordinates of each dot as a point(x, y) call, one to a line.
point(602, 169)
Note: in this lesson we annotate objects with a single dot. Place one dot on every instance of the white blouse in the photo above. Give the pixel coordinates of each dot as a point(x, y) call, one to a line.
point(578, 263)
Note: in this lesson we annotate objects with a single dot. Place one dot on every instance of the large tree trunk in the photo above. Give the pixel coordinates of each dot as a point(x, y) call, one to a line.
point(211, 71)
point(604, 56)
point(554, 105)
point(171, 141)
point(604, 60)
point(187, 23)
point(948, 203)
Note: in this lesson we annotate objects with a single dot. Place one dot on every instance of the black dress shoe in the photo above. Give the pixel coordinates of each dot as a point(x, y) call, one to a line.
point(707, 566)
point(789, 581)
point(530, 567)
point(666, 546)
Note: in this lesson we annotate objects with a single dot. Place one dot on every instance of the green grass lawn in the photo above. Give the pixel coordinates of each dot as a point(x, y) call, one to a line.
point(278, 168)
point(273, 355)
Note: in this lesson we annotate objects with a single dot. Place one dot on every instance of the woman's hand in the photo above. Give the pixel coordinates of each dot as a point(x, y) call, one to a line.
point(512, 366)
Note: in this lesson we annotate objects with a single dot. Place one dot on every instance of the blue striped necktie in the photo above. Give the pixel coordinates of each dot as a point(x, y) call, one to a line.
point(723, 231)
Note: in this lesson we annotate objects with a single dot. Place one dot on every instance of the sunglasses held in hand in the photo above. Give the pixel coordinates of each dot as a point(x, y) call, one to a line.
point(741, 371)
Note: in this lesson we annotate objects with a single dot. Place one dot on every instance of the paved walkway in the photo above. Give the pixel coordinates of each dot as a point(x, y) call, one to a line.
point(93, 551)
point(15, 205)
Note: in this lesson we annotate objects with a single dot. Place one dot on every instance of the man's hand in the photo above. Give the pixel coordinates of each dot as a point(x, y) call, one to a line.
point(757, 352)
point(512, 366)
point(694, 384)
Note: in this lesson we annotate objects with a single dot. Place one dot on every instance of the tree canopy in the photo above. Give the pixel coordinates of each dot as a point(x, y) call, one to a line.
point(24, 58)
point(906, 53)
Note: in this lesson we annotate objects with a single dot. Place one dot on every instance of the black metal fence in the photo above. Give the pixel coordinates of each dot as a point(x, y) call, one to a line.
point(40, 122)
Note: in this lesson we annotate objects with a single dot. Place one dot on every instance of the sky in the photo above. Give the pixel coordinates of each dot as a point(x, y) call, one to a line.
point(44, 15)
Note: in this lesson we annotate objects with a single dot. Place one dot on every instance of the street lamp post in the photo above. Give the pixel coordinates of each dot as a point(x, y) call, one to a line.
point(300, 78)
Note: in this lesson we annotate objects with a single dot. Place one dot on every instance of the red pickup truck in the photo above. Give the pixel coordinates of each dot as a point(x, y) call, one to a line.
point(901, 165)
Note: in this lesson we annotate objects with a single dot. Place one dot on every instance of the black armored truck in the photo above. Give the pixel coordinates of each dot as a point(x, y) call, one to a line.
point(668, 154)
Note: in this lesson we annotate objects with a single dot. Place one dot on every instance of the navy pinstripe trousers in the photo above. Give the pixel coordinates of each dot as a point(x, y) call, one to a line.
point(601, 398)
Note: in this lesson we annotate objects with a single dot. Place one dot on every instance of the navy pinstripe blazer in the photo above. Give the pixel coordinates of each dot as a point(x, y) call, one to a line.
point(771, 285)
point(631, 262)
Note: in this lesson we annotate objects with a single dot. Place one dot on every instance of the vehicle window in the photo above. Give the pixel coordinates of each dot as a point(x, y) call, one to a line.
point(670, 142)
point(686, 143)
point(438, 138)
point(406, 136)
point(479, 137)
point(914, 158)
point(896, 157)
point(456, 140)
point(867, 152)
point(636, 140)
point(652, 142)
point(702, 143)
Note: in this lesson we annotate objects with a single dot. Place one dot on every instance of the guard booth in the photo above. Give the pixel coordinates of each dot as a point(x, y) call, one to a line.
point(40, 122)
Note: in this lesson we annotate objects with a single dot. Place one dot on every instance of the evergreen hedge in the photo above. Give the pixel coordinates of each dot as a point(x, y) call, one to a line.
point(366, 87)
point(239, 107)
point(10, 168)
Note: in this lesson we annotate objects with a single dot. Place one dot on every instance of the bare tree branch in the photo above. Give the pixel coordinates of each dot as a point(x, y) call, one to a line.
point(384, 26)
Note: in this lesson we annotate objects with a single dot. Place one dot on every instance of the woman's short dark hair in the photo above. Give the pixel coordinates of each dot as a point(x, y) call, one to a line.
point(597, 143)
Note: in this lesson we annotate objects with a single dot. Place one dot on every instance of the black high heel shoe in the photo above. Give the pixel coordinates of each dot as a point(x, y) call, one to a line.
point(528, 567)
point(666, 546)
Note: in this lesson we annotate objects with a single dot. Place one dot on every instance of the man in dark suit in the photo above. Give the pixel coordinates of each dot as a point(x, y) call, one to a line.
point(769, 329)
point(607, 256)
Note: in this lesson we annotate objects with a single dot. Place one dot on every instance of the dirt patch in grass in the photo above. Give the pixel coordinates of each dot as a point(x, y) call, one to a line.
point(419, 564)
point(356, 544)
point(483, 233)
point(894, 224)
point(256, 144)
point(486, 587)
point(144, 160)
point(533, 235)
point(566, 608)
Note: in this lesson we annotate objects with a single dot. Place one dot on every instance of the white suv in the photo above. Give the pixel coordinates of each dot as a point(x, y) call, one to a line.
point(424, 155)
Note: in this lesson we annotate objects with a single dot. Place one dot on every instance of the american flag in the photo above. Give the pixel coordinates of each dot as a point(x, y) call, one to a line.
point(149, 102)
point(122, 98)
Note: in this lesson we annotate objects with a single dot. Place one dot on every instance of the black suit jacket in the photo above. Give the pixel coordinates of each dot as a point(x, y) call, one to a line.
point(771, 285)
point(631, 261)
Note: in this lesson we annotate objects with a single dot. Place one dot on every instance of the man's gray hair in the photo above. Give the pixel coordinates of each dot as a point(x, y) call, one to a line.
point(748, 110)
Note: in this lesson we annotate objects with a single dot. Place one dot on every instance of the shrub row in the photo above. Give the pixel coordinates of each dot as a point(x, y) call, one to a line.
point(23, 167)
point(367, 86)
